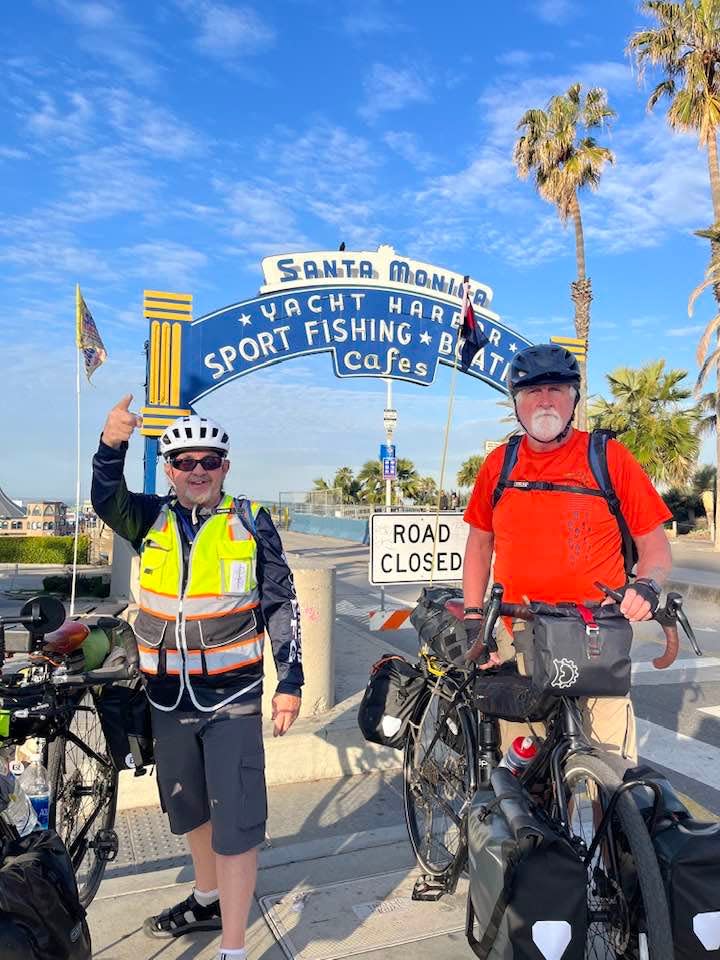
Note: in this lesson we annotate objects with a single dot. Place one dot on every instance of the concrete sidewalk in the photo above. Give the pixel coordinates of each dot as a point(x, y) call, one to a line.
point(323, 835)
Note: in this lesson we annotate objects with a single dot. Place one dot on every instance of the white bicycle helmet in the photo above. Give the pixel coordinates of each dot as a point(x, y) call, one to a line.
point(194, 433)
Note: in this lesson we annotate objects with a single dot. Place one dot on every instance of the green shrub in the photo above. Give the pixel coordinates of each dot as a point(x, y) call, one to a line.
point(84, 586)
point(42, 549)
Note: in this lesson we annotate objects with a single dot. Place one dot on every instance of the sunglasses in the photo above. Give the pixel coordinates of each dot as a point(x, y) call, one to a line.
point(212, 461)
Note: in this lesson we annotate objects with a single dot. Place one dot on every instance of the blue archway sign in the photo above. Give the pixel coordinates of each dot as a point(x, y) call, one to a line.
point(377, 314)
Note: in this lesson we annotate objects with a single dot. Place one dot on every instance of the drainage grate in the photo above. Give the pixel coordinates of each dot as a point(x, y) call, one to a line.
point(358, 916)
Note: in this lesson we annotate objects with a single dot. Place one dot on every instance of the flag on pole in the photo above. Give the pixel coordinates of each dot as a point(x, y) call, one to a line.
point(89, 341)
point(473, 337)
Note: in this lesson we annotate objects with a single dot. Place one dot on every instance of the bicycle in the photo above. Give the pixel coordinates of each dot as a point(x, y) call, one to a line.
point(49, 697)
point(453, 747)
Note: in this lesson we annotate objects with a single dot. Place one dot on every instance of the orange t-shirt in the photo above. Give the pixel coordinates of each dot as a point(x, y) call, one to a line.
point(553, 546)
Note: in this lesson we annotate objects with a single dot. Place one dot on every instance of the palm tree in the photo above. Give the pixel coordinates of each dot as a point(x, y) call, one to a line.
point(408, 478)
point(563, 163)
point(347, 484)
point(426, 492)
point(469, 470)
point(685, 45)
point(707, 408)
point(648, 416)
point(372, 484)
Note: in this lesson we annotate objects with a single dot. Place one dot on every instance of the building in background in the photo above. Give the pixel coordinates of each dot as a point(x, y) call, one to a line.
point(39, 518)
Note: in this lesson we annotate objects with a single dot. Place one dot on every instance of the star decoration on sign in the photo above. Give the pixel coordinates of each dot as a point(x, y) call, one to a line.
point(513, 348)
point(244, 319)
point(425, 338)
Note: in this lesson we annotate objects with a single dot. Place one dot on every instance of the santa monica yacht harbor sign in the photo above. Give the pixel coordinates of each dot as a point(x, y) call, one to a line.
point(377, 314)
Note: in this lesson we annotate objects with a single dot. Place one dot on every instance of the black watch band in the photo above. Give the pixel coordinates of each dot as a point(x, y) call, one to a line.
point(468, 610)
point(649, 582)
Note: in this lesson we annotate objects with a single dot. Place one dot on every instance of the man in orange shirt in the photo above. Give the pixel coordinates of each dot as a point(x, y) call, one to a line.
point(553, 544)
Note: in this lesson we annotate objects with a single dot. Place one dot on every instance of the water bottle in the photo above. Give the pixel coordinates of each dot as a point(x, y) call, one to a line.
point(36, 784)
point(518, 755)
point(14, 803)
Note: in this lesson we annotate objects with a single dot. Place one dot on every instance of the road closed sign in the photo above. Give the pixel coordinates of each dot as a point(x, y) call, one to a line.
point(402, 546)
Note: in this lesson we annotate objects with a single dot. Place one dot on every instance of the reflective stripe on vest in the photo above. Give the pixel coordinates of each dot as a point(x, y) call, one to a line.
point(221, 583)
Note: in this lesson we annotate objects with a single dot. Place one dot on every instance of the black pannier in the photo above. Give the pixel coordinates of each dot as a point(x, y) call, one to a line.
point(443, 633)
point(688, 853)
point(41, 917)
point(124, 712)
point(582, 652)
point(389, 702)
point(527, 896)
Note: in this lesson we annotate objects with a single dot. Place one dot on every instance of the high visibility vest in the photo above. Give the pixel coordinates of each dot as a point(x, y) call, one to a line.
point(210, 625)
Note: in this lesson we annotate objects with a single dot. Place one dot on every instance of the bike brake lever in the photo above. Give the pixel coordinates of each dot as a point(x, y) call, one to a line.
point(687, 629)
point(615, 595)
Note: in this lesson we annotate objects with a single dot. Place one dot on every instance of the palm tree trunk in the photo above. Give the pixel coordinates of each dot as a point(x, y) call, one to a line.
point(581, 294)
point(714, 170)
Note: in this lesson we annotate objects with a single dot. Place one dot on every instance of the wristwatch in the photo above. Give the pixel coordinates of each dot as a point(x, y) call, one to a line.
point(469, 610)
point(653, 584)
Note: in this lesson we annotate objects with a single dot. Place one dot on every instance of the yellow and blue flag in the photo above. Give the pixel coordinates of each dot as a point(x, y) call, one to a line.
point(89, 341)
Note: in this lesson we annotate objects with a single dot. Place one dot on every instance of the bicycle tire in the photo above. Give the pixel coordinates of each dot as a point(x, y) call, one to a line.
point(641, 927)
point(438, 784)
point(82, 789)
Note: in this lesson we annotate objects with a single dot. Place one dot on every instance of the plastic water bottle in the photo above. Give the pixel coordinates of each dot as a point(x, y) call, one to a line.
point(518, 755)
point(14, 803)
point(36, 784)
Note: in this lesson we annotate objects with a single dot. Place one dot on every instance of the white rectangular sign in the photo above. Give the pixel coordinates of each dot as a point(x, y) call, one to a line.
point(401, 547)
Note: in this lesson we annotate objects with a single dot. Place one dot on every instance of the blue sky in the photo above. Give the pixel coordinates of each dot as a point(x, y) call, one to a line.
point(171, 145)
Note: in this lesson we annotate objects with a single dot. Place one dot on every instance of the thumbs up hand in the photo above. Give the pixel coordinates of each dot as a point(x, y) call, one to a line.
point(120, 423)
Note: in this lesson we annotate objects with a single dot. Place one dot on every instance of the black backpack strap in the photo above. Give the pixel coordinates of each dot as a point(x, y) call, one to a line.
point(597, 458)
point(512, 449)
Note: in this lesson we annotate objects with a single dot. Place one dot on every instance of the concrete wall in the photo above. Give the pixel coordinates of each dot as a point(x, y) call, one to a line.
point(344, 528)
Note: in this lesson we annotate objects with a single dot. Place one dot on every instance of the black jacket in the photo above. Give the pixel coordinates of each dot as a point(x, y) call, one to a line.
point(131, 515)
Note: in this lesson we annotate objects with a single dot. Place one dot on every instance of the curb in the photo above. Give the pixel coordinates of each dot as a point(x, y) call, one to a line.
point(695, 591)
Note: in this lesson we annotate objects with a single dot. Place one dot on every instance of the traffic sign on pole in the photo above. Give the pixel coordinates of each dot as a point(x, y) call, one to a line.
point(389, 468)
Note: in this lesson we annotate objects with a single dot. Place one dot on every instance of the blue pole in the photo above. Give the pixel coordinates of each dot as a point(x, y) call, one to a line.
point(151, 455)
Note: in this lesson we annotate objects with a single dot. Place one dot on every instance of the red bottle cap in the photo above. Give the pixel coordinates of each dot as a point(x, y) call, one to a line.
point(524, 747)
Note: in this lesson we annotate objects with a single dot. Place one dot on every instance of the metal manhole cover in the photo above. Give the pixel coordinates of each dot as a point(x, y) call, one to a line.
point(358, 916)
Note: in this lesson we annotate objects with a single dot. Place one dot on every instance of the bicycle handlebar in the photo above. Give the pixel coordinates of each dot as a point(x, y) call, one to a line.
point(668, 617)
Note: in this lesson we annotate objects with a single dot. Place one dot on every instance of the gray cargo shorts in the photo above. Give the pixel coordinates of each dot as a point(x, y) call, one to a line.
point(211, 767)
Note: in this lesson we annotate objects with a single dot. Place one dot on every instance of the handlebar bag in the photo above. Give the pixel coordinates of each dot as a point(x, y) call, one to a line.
point(390, 700)
point(582, 651)
point(527, 893)
point(41, 917)
point(124, 712)
point(688, 853)
point(437, 628)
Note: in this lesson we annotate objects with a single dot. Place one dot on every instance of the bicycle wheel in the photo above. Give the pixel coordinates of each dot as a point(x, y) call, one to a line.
point(83, 790)
point(627, 908)
point(439, 783)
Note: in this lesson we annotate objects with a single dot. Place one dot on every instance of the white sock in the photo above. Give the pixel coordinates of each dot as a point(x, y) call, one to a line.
point(206, 897)
point(238, 954)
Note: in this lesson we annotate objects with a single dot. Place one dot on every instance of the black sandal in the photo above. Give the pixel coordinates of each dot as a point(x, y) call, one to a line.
point(186, 917)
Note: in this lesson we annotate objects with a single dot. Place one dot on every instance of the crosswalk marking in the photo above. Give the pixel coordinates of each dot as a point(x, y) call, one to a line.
point(678, 752)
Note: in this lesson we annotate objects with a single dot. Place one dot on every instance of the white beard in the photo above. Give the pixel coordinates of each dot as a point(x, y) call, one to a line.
point(545, 425)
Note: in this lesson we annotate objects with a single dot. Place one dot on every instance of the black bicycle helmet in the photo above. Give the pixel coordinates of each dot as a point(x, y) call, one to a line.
point(540, 364)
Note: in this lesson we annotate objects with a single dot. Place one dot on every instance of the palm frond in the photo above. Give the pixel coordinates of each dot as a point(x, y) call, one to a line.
point(704, 344)
point(710, 362)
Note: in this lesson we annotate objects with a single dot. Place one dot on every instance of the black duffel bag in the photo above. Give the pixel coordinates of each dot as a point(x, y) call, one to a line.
point(581, 651)
point(528, 886)
point(442, 633)
point(41, 917)
point(390, 700)
point(124, 712)
point(688, 853)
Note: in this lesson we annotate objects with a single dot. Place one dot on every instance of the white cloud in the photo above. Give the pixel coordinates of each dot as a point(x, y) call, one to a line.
point(150, 126)
point(522, 58)
point(229, 31)
point(388, 89)
point(173, 264)
point(685, 331)
point(106, 36)
point(552, 11)
point(52, 123)
point(408, 145)
point(12, 153)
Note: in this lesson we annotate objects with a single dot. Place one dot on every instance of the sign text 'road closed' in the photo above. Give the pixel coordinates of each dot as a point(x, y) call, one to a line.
point(402, 546)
